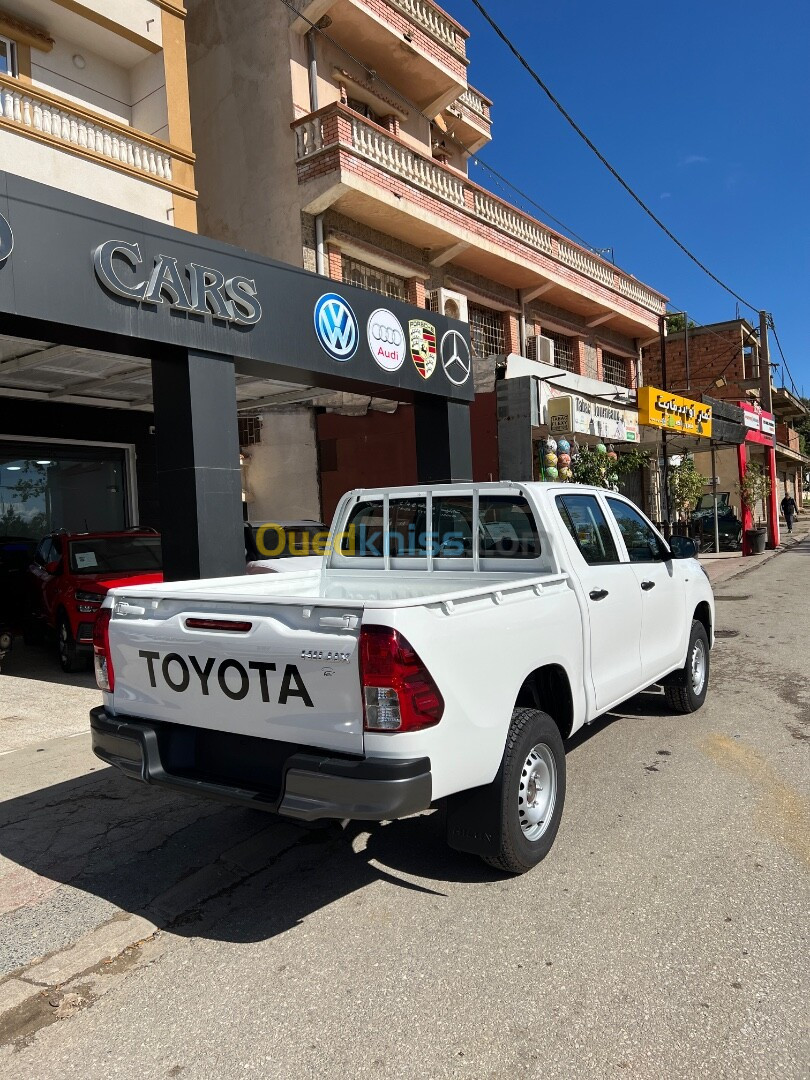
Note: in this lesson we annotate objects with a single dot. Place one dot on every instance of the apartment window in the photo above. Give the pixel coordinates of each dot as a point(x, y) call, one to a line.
point(369, 277)
point(563, 349)
point(614, 369)
point(8, 57)
point(250, 430)
point(486, 331)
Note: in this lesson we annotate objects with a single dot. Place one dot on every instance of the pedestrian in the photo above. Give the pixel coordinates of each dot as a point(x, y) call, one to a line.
point(789, 510)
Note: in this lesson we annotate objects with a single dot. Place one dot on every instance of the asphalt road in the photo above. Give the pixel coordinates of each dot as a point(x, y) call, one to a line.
point(665, 936)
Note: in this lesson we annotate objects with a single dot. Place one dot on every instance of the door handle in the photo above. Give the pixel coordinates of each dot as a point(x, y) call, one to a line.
point(598, 594)
point(647, 585)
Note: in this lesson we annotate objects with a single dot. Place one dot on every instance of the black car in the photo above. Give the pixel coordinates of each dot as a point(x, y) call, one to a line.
point(283, 539)
point(729, 526)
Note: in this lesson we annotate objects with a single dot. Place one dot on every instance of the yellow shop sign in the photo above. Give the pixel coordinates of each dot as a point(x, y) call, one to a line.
point(657, 408)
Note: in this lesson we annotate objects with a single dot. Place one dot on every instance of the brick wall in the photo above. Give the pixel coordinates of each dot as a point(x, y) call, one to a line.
point(711, 355)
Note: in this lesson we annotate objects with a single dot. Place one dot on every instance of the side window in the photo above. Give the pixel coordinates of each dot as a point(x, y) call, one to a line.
point(8, 57)
point(41, 554)
point(639, 538)
point(585, 521)
point(506, 528)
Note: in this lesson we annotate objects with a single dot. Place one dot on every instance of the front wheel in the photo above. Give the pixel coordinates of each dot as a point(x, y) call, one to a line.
point(686, 689)
point(531, 787)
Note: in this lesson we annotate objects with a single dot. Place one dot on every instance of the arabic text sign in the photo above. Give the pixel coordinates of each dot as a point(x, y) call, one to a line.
point(658, 408)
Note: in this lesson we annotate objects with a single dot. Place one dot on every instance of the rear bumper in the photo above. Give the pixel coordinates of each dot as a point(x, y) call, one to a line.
point(313, 785)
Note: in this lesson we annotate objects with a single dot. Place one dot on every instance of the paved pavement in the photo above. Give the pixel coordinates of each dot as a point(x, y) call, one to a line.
point(665, 935)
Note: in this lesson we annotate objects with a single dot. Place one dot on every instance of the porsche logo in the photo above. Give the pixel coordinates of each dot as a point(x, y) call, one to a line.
point(423, 346)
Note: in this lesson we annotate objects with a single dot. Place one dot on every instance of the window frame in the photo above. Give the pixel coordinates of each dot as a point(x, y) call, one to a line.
point(614, 522)
point(13, 57)
point(610, 524)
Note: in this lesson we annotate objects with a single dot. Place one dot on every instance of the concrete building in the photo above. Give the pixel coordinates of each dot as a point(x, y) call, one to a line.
point(337, 138)
point(723, 360)
point(94, 101)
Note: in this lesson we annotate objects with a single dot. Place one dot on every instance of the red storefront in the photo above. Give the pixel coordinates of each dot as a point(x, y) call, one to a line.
point(760, 431)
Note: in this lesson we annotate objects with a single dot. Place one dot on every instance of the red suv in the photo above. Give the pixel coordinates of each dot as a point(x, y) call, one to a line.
point(70, 576)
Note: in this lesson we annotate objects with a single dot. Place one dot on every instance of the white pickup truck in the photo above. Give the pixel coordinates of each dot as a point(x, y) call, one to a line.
point(452, 639)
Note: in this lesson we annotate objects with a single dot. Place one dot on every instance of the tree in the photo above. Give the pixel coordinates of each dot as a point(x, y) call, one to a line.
point(803, 428)
point(686, 485)
point(675, 323)
point(754, 489)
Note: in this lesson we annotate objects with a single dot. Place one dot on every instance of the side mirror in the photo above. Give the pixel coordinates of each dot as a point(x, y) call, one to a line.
point(53, 567)
point(683, 547)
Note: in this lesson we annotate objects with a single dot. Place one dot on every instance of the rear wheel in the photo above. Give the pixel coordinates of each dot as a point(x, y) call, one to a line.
point(531, 783)
point(686, 689)
point(69, 658)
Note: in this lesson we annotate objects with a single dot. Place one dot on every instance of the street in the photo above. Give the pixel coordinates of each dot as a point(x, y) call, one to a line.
point(666, 935)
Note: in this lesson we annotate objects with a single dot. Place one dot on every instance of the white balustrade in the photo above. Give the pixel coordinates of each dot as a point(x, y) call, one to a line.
point(635, 291)
point(473, 100)
point(398, 159)
point(432, 20)
point(61, 123)
point(308, 138)
point(512, 222)
point(581, 261)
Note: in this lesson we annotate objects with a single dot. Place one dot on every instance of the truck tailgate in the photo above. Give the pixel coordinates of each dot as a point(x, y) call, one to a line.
point(283, 672)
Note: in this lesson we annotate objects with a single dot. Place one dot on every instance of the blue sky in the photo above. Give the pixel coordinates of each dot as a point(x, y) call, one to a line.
point(702, 106)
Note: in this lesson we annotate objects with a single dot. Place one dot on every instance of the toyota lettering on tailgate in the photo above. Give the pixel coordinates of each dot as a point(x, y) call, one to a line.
point(231, 676)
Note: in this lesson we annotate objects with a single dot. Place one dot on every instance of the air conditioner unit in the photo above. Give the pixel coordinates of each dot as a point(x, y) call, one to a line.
point(451, 304)
point(541, 349)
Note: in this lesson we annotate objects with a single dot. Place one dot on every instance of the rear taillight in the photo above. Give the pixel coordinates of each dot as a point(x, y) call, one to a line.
point(105, 676)
point(398, 691)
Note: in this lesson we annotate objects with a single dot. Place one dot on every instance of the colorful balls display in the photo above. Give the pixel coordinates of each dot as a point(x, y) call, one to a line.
point(563, 459)
point(550, 460)
point(551, 473)
point(601, 448)
point(551, 445)
point(564, 446)
point(565, 473)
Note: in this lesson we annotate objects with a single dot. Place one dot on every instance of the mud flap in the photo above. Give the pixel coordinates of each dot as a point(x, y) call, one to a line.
point(474, 819)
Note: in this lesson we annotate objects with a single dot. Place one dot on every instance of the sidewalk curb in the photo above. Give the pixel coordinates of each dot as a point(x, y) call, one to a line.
point(760, 560)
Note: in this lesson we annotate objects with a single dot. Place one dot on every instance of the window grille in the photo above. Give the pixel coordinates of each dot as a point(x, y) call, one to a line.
point(614, 369)
point(563, 349)
point(486, 331)
point(250, 430)
point(369, 277)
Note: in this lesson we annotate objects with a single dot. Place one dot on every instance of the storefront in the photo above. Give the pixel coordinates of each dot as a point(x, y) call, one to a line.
point(124, 349)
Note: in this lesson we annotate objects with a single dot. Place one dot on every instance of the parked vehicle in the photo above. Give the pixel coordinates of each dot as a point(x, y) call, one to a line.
point(15, 555)
point(729, 526)
point(70, 576)
point(451, 641)
point(283, 546)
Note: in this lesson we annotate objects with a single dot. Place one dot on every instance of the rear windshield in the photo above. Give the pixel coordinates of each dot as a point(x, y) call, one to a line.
point(115, 554)
point(506, 528)
point(272, 541)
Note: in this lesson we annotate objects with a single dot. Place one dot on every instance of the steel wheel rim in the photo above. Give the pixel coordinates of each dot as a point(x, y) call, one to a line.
point(697, 666)
point(537, 791)
point(63, 640)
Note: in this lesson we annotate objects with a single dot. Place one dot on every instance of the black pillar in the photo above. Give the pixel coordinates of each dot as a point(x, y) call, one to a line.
point(199, 479)
point(443, 443)
point(515, 451)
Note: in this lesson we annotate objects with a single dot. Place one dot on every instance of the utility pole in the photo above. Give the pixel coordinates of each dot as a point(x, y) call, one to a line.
point(662, 337)
point(766, 400)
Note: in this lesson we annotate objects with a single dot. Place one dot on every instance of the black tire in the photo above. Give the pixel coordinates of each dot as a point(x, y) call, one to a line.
point(69, 659)
point(530, 729)
point(680, 688)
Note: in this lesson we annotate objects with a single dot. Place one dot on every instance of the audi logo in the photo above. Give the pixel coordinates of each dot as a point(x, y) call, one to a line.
point(386, 334)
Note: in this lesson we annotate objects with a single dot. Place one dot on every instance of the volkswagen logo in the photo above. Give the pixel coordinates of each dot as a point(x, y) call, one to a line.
point(386, 339)
point(336, 327)
point(6, 239)
point(455, 356)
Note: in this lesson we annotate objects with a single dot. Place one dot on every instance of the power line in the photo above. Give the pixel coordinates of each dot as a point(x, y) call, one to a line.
point(558, 105)
point(784, 361)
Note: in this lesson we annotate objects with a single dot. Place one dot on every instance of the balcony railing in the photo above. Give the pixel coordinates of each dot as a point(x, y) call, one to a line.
point(476, 102)
point(336, 126)
point(434, 21)
point(67, 125)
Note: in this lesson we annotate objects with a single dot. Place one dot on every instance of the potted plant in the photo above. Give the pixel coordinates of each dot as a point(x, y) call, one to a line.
point(754, 488)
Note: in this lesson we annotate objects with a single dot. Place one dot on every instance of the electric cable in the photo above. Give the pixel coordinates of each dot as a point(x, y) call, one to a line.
point(784, 361)
point(614, 172)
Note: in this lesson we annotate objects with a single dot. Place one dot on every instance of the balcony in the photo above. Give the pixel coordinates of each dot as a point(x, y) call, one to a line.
point(411, 44)
point(468, 118)
point(60, 124)
point(351, 164)
point(787, 436)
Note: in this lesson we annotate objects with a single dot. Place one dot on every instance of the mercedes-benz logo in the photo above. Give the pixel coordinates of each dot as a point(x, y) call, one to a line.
point(6, 239)
point(455, 356)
